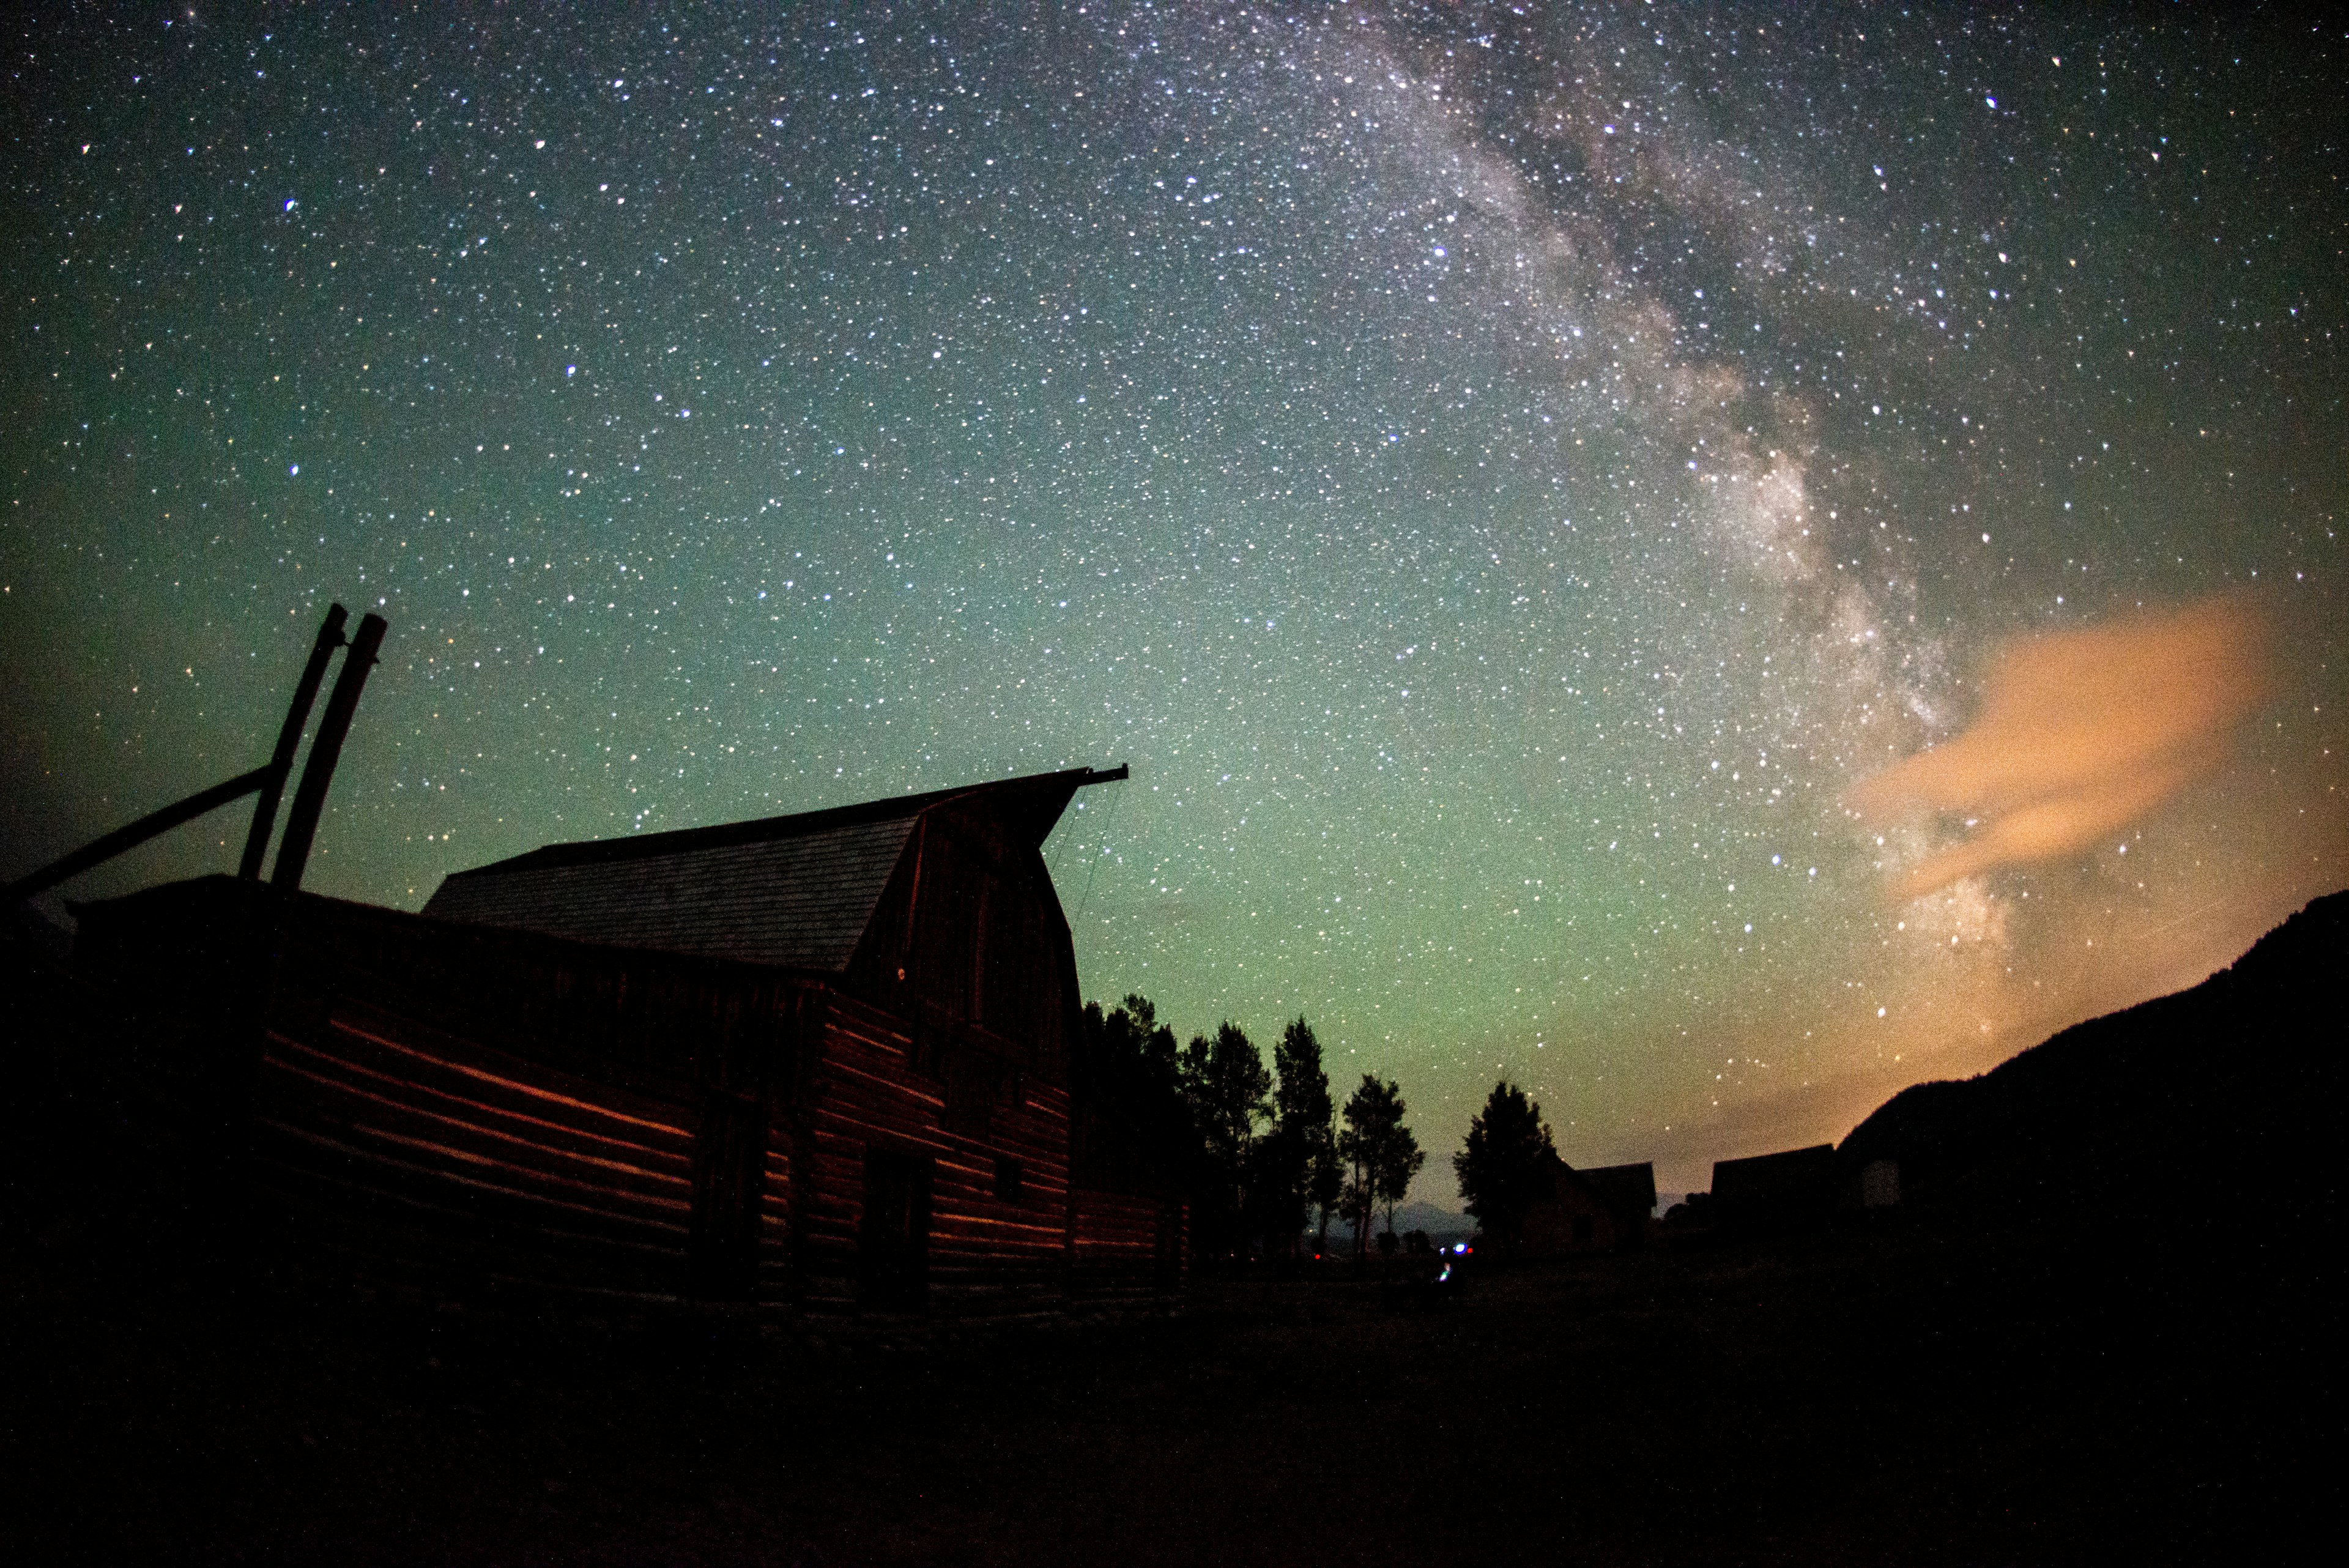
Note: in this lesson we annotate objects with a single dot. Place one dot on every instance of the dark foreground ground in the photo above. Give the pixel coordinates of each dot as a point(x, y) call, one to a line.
point(1908, 1393)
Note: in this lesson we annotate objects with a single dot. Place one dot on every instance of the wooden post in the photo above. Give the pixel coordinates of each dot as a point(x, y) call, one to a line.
point(306, 693)
point(301, 821)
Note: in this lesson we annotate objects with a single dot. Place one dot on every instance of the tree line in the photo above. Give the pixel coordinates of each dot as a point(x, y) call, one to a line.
point(1264, 1153)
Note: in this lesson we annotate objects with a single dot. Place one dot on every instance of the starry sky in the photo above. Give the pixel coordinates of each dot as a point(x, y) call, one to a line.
point(1506, 477)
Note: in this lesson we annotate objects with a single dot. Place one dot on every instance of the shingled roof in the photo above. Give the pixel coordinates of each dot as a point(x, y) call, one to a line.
point(797, 891)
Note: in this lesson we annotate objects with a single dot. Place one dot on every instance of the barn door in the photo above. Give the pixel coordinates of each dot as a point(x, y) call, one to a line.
point(892, 1241)
point(728, 1168)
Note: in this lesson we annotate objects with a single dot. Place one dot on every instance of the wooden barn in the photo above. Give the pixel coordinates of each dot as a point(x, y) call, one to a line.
point(1602, 1208)
point(816, 1063)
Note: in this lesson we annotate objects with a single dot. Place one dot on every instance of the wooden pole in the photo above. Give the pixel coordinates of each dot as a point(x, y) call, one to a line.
point(306, 693)
point(334, 726)
point(99, 851)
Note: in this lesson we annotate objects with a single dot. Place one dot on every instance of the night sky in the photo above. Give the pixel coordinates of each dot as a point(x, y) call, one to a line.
point(1502, 476)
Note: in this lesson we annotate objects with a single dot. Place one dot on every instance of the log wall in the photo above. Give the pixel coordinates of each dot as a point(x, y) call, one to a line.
point(988, 1256)
point(526, 1109)
point(378, 1134)
point(471, 1105)
point(1126, 1252)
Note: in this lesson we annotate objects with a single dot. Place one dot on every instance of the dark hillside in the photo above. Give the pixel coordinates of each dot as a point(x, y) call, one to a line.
point(2201, 1104)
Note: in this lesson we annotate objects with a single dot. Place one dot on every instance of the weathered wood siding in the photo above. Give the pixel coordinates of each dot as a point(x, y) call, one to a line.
point(876, 1087)
point(1125, 1251)
point(481, 1105)
point(526, 1107)
point(386, 1136)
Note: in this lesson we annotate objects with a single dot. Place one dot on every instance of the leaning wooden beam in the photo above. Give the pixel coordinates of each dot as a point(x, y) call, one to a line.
point(333, 725)
point(140, 831)
point(264, 810)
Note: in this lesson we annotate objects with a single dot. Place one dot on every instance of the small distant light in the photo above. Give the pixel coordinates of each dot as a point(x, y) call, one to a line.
point(571, 369)
point(295, 469)
point(289, 203)
point(1989, 100)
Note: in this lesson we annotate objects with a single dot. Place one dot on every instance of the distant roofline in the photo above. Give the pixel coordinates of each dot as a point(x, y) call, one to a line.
point(765, 829)
point(1602, 1170)
point(1753, 1161)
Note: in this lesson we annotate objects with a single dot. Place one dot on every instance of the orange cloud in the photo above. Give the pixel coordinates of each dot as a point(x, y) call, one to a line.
point(2079, 733)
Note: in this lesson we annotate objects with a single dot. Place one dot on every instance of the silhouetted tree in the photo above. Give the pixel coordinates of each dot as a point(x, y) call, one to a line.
point(1152, 1044)
point(1381, 1154)
point(1504, 1163)
point(1403, 1158)
point(1360, 1197)
point(1273, 1189)
point(1137, 1125)
point(1131, 1043)
point(1303, 1120)
point(1227, 1086)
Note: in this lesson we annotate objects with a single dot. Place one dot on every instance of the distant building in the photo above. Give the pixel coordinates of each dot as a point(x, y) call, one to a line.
point(1796, 1187)
point(1605, 1208)
point(817, 1062)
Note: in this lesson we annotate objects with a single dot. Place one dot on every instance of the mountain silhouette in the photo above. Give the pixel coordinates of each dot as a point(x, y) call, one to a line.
point(2203, 1104)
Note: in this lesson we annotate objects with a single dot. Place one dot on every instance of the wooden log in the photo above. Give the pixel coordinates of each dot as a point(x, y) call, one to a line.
point(325, 749)
point(289, 738)
point(100, 850)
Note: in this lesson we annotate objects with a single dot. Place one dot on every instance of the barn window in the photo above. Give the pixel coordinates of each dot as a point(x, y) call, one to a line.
point(1007, 1180)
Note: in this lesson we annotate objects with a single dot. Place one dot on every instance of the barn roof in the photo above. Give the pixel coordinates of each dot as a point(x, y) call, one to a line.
point(797, 890)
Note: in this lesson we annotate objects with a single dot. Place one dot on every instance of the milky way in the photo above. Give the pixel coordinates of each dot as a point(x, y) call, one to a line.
point(1501, 480)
